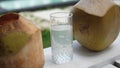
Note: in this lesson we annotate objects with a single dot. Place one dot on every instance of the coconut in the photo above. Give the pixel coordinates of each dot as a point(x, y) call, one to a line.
point(20, 43)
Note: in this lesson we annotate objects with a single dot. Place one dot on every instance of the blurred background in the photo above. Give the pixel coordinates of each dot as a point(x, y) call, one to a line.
point(38, 12)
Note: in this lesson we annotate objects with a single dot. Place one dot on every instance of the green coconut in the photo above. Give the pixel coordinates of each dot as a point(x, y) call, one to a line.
point(12, 42)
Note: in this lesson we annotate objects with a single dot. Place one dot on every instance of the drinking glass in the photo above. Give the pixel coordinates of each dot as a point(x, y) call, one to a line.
point(61, 37)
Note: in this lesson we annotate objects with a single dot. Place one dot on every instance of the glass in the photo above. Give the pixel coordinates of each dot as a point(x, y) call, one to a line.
point(61, 37)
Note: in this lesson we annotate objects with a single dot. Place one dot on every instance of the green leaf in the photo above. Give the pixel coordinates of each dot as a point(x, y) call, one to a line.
point(46, 38)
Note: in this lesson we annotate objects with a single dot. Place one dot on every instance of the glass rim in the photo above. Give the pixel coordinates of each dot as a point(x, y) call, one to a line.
point(64, 16)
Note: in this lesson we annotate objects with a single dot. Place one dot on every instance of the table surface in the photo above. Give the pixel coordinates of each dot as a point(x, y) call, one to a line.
point(84, 58)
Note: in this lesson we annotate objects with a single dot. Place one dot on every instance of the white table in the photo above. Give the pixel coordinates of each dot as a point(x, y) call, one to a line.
point(84, 58)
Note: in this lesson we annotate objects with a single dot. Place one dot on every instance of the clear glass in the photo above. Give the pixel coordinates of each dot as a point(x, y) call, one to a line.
point(61, 37)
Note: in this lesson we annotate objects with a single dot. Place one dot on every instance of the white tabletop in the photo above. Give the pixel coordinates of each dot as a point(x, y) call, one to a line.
point(84, 58)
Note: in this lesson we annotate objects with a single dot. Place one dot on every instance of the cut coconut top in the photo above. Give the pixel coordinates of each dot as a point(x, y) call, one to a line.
point(8, 17)
point(95, 7)
point(17, 22)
